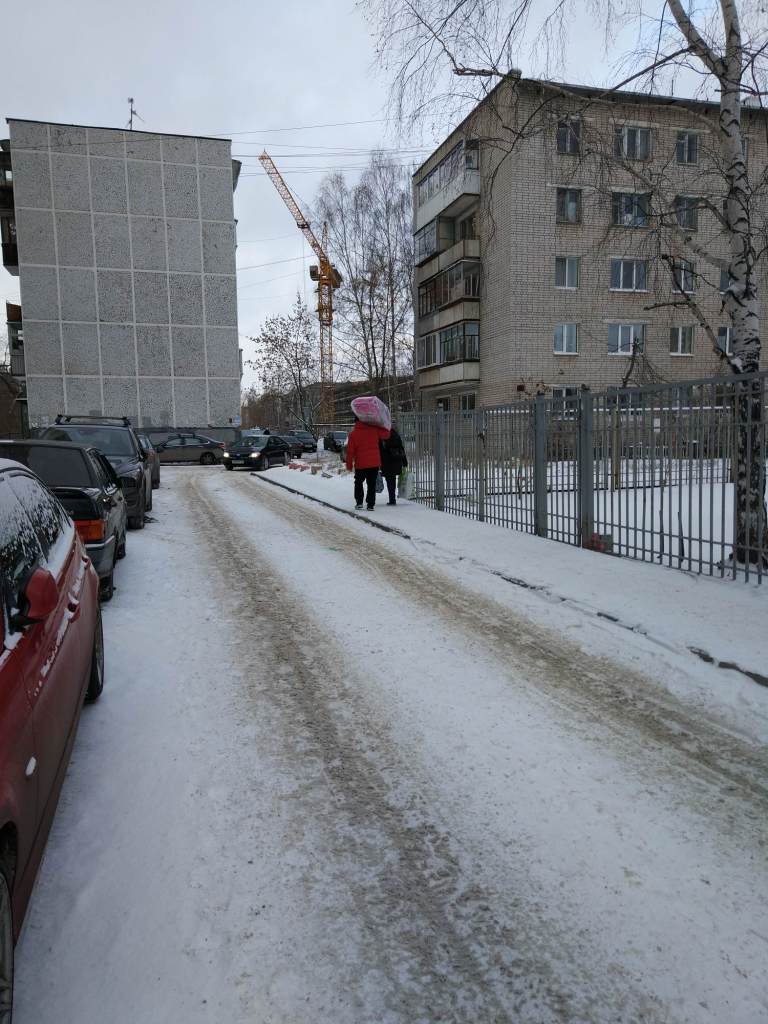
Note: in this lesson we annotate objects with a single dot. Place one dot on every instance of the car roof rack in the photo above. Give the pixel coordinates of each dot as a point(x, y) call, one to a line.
point(124, 421)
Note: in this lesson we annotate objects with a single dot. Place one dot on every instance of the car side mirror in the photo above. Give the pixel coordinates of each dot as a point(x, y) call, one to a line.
point(41, 596)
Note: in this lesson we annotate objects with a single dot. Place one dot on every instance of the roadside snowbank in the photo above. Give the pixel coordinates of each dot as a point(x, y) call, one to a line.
point(646, 610)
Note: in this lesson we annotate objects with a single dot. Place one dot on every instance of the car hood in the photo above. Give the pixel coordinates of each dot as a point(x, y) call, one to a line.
point(242, 449)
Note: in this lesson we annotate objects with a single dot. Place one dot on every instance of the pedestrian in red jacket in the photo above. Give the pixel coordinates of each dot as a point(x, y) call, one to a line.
point(363, 453)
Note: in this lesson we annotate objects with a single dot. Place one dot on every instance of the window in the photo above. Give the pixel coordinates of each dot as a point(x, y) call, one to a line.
point(566, 340)
point(681, 341)
point(569, 137)
point(427, 298)
point(461, 281)
point(472, 154)
point(564, 401)
point(725, 280)
point(724, 339)
point(48, 518)
point(631, 209)
point(425, 241)
point(687, 212)
point(467, 228)
point(467, 402)
point(683, 276)
point(443, 405)
point(566, 271)
point(19, 548)
point(624, 339)
point(629, 275)
point(426, 351)
point(631, 143)
point(687, 148)
point(568, 206)
point(448, 169)
point(472, 340)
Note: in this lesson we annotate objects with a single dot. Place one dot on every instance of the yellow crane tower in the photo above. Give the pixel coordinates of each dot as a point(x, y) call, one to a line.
point(327, 277)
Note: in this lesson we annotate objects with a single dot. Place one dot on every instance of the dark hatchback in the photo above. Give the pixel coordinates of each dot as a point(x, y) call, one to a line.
point(89, 489)
point(307, 440)
point(259, 452)
point(335, 440)
point(116, 439)
point(153, 457)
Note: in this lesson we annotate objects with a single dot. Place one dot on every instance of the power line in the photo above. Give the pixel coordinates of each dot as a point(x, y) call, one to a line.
point(271, 263)
point(301, 128)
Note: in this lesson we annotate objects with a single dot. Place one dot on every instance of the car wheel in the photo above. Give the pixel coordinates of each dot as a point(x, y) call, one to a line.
point(155, 482)
point(137, 522)
point(286, 460)
point(107, 587)
point(228, 465)
point(121, 548)
point(264, 462)
point(96, 679)
point(207, 459)
point(6, 945)
point(149, 506)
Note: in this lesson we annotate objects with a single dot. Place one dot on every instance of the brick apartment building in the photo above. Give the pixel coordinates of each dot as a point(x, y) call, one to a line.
point(124, 243)
point(558, 243)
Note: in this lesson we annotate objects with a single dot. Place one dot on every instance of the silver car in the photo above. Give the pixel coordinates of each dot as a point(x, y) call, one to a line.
point(190, 448)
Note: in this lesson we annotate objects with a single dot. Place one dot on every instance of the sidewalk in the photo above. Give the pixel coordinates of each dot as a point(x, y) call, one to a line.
point(640, 610)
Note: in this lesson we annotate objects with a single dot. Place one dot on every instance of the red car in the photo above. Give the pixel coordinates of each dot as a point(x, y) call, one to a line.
point(51, 660)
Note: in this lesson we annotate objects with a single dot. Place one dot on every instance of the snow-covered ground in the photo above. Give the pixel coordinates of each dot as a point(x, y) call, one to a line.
point(342, 776)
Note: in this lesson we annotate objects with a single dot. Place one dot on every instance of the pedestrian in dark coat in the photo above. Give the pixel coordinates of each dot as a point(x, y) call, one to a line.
point(363, 453)
point(393, 462)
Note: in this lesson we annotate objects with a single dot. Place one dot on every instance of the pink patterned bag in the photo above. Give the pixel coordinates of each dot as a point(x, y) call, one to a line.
point(372, 410)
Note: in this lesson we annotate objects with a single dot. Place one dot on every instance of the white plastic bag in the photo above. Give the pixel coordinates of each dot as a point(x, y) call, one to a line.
point(370, 409)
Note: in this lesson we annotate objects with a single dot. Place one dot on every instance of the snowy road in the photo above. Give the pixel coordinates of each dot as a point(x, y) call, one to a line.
point(329, 784)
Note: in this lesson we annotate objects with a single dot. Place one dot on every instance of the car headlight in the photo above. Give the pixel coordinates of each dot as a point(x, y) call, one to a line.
point(225, 455)
point(255, 455)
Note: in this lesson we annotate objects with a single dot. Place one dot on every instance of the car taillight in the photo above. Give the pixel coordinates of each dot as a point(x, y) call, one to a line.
point(90, 530)
point(222, 446)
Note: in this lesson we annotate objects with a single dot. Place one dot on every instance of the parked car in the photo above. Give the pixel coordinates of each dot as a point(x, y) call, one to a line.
point(335, 440)
point(190, 448)
point(307, 439)
point(257, 452)
point(154, 459)
point(116, 438)
point(89, 489)
point(295, 446)
point(51, 660)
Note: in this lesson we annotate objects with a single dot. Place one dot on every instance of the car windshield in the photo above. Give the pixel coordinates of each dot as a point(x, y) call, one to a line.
point(253, 442)
point(111, 441)
point(339, 435)
point(57, 467)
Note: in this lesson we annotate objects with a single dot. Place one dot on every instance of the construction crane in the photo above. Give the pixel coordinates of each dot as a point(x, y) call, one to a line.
point(328, 279)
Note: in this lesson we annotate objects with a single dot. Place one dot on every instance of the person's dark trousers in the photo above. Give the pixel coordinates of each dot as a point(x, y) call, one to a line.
point(391, 479)
point(369, 476)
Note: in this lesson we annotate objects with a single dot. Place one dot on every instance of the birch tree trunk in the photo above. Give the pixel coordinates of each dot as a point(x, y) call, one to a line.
point(741, 298)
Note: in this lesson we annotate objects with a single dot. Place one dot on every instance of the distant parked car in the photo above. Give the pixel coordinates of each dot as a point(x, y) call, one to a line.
point(307, 439)
point(89, 489)
point(259, 452)
point(190, 448)
point(335, 440)
point(51, 659)
point(116, 438)
point(295, 446)
point(154, 459)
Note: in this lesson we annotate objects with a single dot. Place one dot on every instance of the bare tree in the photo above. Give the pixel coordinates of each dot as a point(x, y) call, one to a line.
point(369, 237)
point(288, 361)
point(446, 56)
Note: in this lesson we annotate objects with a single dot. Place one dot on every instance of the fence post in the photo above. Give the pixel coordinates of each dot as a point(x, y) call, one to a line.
point(586, 457)
point(440, 460)
point(480, 449)
point(540, 465)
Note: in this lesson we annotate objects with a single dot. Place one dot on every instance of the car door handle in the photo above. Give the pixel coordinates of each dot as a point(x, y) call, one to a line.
point(29, 771)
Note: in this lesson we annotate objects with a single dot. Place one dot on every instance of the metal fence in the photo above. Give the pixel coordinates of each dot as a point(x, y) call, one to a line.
point(648, 473)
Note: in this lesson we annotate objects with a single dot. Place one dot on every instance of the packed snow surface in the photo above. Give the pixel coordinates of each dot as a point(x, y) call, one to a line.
point(339, 776)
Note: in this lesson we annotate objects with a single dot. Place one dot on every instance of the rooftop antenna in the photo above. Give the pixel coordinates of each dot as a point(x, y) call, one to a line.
point(133, 113)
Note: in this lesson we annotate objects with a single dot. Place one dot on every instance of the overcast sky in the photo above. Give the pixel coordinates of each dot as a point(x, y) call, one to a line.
point(256, 72)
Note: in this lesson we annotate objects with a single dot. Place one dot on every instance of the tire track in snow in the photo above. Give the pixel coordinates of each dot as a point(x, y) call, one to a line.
point(441, 947)
point(602, 691)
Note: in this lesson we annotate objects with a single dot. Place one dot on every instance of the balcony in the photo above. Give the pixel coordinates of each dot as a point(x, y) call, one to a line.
point(453, 199)
point(11, 258)
point(18, 368)
point(450, 373)
point(467, 249)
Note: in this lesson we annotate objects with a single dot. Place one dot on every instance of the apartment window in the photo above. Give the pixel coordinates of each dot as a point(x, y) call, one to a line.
point(467, 402)
point(687, 148)
point(632, 143)
point(566, 271)
point(426, 351)
point(687, 212)
point(425, 241)
point(624, 339)
point(472, 340)
point(631, 209)
point(443, 405)
point(471, 154)
point(566, 340)
point(568, 206)
point(427, 297)
point(683, 276)
point(461, 281)
point(569, 137)
point(681, 341)
point(448, 168)
point(467, 228)
point(564, 401)
point(460, 341)
point(629, 275)
point(724, 339)
point(725, 281)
